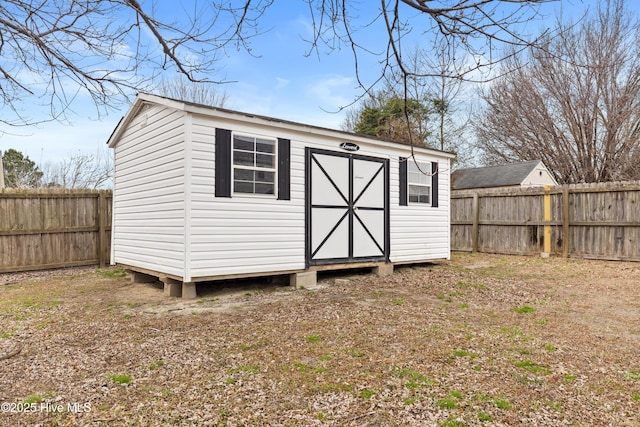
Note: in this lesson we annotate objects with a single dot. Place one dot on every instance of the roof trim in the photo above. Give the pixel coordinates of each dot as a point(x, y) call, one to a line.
point(190, 107)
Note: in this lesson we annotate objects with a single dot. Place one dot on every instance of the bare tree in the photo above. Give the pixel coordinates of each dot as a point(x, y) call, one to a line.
point(475, 27)
point(575, 104)
point(445, 127)
point(198, 92)
point(80, 171)
point(57, 50)
point(437, 123)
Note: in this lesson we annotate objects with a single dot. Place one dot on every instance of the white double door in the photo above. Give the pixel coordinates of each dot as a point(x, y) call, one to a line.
point(347, 207)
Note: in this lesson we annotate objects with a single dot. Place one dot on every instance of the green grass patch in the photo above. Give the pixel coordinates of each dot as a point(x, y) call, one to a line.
point(550, 347)
point(524, 309)
point(246, 347)
point(514, 333)
point(632, 375)
point(523, 379)
point(414, 378)
point(245, 369)
point(157, 364)
point(366, 393)
point(332, 387)
point(397, 301)
point(31, 303)
point(482, 417)
point(455, 394)
point(409, 400)
point(120, 378)
point(503, 404)
point(31, 399)
point(444, 298)
point(636, 396)
point(555, 406)
point(312, 339)
point(534, 368)
point(302, 367)
point(449, 402)
point(452, 422)
point(355, 352)
point(463, 285)
point(205, 300)
point(113, 273)
point(464, 353)
point(7, 334)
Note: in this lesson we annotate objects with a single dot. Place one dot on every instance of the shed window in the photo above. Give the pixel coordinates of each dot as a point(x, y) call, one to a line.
point(254, 165)
point(419, 182)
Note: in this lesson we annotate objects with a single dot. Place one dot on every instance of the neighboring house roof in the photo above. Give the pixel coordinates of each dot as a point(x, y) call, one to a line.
point(513, 174)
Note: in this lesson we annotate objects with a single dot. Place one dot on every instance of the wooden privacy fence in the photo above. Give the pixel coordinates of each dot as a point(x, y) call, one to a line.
point(42, 229)
point(600, 221)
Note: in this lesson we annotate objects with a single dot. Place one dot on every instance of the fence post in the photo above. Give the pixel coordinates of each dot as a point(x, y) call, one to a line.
point(476, 220)
point(565, 222)
point(547, 222)
point(102, 213)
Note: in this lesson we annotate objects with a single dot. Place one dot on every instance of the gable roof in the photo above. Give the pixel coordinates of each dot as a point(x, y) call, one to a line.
point(492, 176)
point(208, 110)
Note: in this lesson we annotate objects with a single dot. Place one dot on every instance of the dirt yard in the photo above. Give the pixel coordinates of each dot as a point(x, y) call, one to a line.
point(481, 340)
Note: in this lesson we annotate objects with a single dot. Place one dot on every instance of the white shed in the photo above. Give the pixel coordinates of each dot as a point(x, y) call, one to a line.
point(204, 193)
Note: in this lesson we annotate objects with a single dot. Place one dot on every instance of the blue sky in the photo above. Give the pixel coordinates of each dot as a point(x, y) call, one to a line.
point(281, 82)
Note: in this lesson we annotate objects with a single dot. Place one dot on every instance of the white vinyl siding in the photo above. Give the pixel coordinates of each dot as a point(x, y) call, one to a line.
point(242, 234)
point(420, 231)
point(149, 192)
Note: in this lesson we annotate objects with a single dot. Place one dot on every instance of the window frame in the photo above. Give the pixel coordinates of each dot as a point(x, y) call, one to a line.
point(273, 169)
point(420, 168)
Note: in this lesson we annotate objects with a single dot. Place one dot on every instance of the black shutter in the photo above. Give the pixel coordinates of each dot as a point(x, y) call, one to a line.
point(284, 169)
point(434, 184)
point(223, 163)
point(403, 181)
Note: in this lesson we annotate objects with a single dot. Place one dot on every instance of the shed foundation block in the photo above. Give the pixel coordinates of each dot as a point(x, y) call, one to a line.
point(189, 290)
point(303, 279)
point(383, 269)
point(172, 288)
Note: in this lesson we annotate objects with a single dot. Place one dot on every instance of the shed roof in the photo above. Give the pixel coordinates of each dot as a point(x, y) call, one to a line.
point(143, 98)
point(492, 176)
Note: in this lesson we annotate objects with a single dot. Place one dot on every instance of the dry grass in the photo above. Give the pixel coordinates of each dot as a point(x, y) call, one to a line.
point(481, 340)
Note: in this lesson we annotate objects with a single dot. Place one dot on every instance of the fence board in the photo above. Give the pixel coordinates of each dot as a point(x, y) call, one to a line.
point(591, 221)
point(52, 228)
